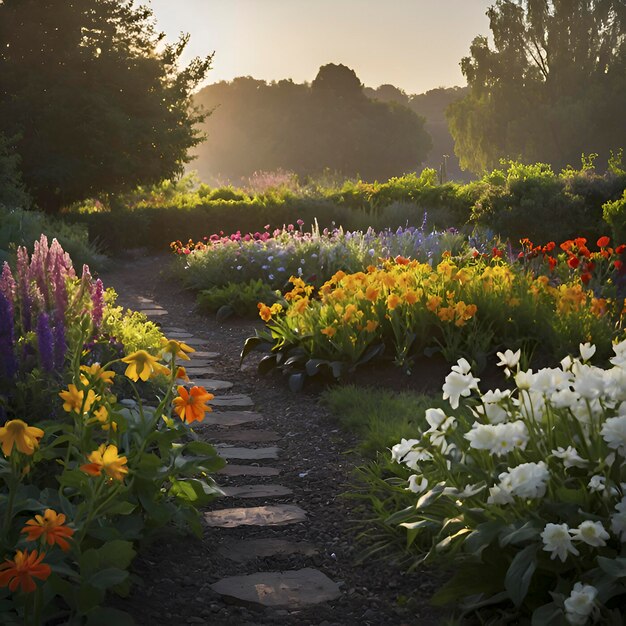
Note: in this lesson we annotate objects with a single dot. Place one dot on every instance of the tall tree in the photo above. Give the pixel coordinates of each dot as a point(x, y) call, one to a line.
point(552, 85)
point(95, 99)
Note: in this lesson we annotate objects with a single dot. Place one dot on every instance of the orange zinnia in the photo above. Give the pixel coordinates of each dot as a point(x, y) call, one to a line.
point(51, 527)
point(191, 405)
point(19, 572)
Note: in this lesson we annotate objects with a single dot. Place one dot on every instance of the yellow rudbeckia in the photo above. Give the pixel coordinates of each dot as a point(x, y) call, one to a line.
point(141, 364)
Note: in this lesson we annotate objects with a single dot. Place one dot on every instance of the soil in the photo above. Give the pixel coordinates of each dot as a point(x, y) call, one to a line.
point(317, 461)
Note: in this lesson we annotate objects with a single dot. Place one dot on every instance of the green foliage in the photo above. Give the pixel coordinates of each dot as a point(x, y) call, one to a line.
point(614, 214)
point(549, 84)
point(12, 192)
point(20, 228)
point(240, 299)
point(112, 105)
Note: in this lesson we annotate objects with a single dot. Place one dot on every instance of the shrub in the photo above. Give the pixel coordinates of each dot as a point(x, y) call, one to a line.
point(239, 299)
point(614, 214)
point(522, 492)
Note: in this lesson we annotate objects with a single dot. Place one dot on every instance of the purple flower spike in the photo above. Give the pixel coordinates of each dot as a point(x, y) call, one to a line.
point(45, 343)
point(97, 298)
point(60, 345)
point(8, 363)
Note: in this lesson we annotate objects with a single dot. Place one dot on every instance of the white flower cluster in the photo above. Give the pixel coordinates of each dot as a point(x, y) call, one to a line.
point(562, 430)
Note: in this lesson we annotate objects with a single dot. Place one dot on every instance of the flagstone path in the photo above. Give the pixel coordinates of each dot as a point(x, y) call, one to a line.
point(284, 589)
point(279, 546)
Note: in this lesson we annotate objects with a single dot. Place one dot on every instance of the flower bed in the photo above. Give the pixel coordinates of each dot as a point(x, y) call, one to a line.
point(522, 491)
point(84, 476)
point(467, 306)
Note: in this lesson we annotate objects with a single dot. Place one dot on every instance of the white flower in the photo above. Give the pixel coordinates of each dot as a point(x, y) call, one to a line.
point(435, 417)
point(597, 483)
point(587, 350)
point(482, 436)
point(498, 438)
point(524, 380)
point(509, 360)
point(591, 533)
point(566, 363)
point(557, 541)
point(417, 487)
point(458, 384)
point(413, 457)
point(614, 433)
point(619, 360)
point(527, 480)
point(570, 457)
point(618, 520)
point(564, 398)
point(579, 605)
point(491, 408)
point(399, 451)
point(499, 495)
point(589, 382)
point(462, 367)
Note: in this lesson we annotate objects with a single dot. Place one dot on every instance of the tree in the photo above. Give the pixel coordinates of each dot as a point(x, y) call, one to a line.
point(552, 86)
point(12, 192)
point(96, 101)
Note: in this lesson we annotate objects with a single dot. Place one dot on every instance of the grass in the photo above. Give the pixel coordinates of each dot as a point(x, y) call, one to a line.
point(379, 418)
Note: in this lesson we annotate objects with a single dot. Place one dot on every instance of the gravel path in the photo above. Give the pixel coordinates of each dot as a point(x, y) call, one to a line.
point(284, 513)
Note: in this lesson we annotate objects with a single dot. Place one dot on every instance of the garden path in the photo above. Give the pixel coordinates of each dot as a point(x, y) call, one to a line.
point(278, 547)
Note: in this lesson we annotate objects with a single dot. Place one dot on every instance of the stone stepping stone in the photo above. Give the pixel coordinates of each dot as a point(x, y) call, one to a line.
point(194, 341)
point(145, 300)
point(173, 329)
point(231, 418)
point(248, 549)
point(236, 399)
point(247, 436)
point(154, 312)
point(249, 454)
point(278, 515)
point(178, 335)
point(203, 354)
point(294, 589)
point(257, 491)
point(210, 384)
point(248, 470)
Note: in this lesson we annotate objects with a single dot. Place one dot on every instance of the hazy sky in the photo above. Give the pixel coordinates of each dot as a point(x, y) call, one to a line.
point(414, 44)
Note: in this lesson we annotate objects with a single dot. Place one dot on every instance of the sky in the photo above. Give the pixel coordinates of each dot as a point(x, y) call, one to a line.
point(413, 44)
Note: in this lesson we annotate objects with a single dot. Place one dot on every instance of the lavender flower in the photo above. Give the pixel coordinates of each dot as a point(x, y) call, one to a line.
point(45, 343)
point(8, 364)
point(60, 346)
point(97, 299)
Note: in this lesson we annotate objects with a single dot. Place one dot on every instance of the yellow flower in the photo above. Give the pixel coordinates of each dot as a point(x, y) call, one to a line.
point(433, 303)
point(276, 308)
point(175, 348)
point(106, 458)
point(140, 365)
point(351, 309)
point(300, 305)
point(19, 434)
point(102, 415)
point(97, 373)
point(446, 314)
point(393, 300)
point(371, 326)
point(371, 293)
point(410, 297)
point(74, 399)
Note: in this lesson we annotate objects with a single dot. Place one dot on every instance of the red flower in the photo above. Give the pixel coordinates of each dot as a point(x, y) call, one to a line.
point(618, 265)
point(573, 262)
point(620, 249)
point(549, 246)
point(19, 572)
point(551, 262)
point(586, 277)
point(497, 253)
point(603, 242)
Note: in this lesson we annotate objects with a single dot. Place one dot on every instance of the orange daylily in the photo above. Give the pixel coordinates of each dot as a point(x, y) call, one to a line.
point(50, 526)
point(191, 405)
point(19, 571)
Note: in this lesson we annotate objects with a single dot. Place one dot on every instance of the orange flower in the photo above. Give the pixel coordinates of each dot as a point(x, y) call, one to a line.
point(19, 572)
point(393, 301)
point(400, 260)
point(264, 312)
point(106, 458)
point(181, 374)
point(19, 434)
point(51, 527)
point(433, 303)
point(175, 348)
point(603, 242)
point(371, 326)
point(371, 293)
point(191, 405)
point(329, 331)
point(410, 297)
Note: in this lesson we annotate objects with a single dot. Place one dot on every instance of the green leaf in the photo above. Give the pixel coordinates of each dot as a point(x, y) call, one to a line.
point(548, 615)
point(119, 508)
point(223, 313)
point(107, 616)
point(267, 363)
point(251, 343)
point(468, 580)
point(313, 366)
point(89, 598)
point(520, 573)
point(614, 567)
point(108, 577)
point(519, 535)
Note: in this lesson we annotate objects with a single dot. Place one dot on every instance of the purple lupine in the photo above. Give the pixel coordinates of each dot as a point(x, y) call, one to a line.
point(97, 299)
point(45, 343)
point(22, 289)
point(38, 269)
point(58, 274)
point(60, 345)
point(8, 363)
point(7, 285)
point(58, 255)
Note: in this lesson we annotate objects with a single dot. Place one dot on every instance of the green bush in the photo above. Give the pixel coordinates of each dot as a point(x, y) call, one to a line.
point(20, 228)
point(240, 299)
point(614, 214)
